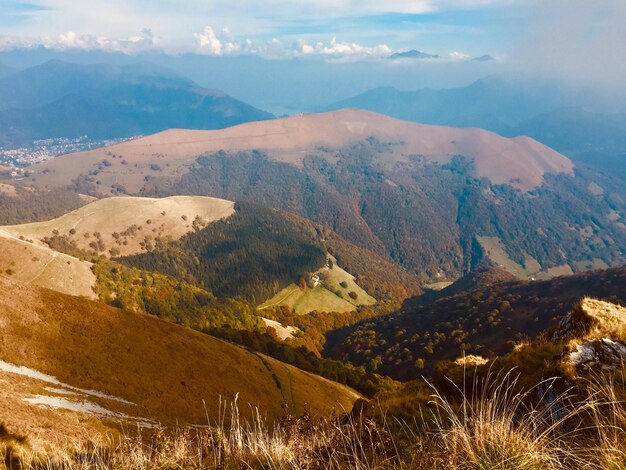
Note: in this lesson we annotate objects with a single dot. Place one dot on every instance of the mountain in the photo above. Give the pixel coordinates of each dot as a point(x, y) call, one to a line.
point(596, 139)
point(496, 101)
point(78, 362)
point(547, 113)
point(436, 200)
point(5, 70)
point(483, 58)
point(413, 54)
point(59, 99)
point(487, 320)
point(520, 162)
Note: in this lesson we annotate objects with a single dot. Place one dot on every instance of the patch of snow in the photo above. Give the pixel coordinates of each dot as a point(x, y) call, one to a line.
point(35, 374)
point(85, 406)
point(81, 406)
point(60, 391)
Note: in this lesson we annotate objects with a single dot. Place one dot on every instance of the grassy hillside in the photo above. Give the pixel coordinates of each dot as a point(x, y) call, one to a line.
point(336, 291)
point(426, 217)
point(487, 321)
point(418, 195)
point(26, 261)
point(121, 226)
point(136, 365)
point(376, 273)
point(520, 162)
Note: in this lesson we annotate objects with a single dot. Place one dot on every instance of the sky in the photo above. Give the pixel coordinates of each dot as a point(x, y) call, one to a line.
point(249, 47)
point(336, 29)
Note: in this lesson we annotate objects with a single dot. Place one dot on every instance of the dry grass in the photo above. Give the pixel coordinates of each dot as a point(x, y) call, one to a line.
point(493, 427)
point(123, 223)
point(605, 319)
point(165, 370)
point(295, 443)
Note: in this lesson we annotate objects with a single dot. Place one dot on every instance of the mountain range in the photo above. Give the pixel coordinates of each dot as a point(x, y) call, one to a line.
point(101, 101)
point(436, 200)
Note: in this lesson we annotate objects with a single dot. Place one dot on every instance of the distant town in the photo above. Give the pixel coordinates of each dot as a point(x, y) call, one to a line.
point(41, 150)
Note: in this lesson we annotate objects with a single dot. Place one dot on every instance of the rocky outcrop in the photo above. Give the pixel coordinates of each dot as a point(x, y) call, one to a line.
point(595, 332)
point(599, 354)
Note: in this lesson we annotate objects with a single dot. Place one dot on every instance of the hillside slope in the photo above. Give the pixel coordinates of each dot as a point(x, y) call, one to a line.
point(486, 321)
point(548, 113)
point(29, 262)
point(118, 366)
point(127, 225)
point(521, 162)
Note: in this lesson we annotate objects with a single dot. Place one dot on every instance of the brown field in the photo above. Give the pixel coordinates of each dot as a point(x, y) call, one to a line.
point(32, 263)
point(111, 220)
point(496, 252)
point(521, 161)
point(133, 365)
point(7, 189)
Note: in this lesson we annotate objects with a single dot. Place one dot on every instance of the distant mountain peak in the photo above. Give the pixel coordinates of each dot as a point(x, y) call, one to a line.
point(483, 58)
point(413, 54)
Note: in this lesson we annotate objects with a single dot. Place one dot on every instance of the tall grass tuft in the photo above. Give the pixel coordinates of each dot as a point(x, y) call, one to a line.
point(491, 425)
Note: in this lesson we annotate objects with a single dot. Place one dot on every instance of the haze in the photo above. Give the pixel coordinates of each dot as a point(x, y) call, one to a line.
point(287, 57)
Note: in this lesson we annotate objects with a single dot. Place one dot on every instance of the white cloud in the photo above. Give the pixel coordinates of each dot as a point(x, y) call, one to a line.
point(146, 40)
point(457, 55)
point(210, 43)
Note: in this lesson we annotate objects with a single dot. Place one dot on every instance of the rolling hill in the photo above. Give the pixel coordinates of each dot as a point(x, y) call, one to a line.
point(101, 101)
point(70, 362)
point(123, 226)
point(48, 254)
point(421, 195)
point(520, 162)
point(332, 289)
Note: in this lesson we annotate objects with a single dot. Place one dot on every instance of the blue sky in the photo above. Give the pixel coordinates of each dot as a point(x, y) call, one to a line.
point(575, 40)
point(266, 27)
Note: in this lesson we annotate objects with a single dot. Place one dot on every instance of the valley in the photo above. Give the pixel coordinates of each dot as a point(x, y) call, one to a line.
point(358, 235)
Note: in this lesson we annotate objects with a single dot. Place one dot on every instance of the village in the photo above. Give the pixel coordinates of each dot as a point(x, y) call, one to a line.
point(42, 150)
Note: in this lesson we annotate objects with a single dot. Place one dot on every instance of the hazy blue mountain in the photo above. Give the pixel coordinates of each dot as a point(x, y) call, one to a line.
point(413, 54)
point(593, 138)
point(545, 112)
point(483, 58)
point(5, 70)
point(494, 100)
point(60, 99)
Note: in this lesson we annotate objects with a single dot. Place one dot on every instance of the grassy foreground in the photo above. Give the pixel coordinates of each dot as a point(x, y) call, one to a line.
point(491, 427)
